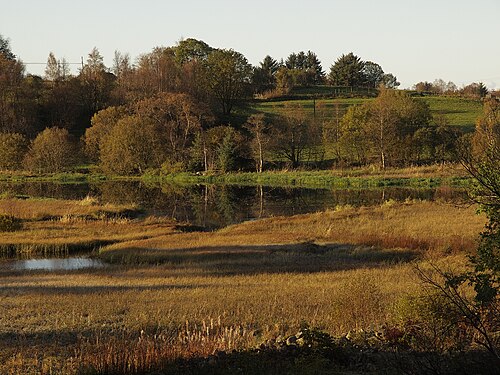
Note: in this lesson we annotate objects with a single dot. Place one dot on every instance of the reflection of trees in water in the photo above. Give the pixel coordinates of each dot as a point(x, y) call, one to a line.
point(222, 205)
point(219, 205)
point(46, 190)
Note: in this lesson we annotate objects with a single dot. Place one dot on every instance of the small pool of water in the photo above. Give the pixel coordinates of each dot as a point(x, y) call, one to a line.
point(53, 264)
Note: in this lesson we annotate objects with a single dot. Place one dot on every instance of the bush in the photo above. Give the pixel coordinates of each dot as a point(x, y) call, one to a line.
point(171, 167)
point(431, 323)
point(9, 223)
point(13, 147)
point(53, 150)
point(133, 146)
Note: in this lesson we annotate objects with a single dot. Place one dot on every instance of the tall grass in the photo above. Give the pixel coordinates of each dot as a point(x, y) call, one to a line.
point(229, 289)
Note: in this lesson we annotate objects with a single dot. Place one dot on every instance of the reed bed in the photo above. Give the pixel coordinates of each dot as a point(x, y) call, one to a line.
point(40, 209)
point(175, 296)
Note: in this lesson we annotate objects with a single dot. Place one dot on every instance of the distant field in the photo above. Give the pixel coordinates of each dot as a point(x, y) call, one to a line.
point(458, 111)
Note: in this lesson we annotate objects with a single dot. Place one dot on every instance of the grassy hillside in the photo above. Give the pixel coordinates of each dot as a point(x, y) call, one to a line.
point(459, 112)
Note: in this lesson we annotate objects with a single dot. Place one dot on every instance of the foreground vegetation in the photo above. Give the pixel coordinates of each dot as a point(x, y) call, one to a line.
point(169, 295)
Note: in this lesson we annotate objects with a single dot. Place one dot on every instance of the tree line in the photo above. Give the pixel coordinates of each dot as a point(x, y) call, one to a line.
point(171, 111)
point(474, 90)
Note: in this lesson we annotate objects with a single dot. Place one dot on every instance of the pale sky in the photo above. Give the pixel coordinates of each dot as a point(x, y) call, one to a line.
point(420, 40)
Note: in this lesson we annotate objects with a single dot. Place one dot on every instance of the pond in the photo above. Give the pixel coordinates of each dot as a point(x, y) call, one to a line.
point(208, 206)
point(216, 206)
point(53, 264)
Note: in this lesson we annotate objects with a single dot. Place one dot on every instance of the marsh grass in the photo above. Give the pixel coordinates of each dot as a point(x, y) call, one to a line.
point(175, 295)
point(63, 227)
point(419, 226)
point(43, 209)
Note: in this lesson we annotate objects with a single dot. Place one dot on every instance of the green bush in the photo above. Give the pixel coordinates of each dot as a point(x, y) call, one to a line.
point(53, 150)
point(9, 223)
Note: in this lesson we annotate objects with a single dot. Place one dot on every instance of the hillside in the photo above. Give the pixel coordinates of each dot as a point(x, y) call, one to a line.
point(460, 112)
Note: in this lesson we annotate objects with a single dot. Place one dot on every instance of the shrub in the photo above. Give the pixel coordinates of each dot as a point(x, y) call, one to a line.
point(170, 167)
point(13, 147)
point(132, 146)
point(9, 223)
point(431, 323)
point(53, 150)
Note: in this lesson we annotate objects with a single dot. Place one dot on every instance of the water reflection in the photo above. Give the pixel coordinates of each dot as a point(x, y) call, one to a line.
point(54, 264)
point(215, 206)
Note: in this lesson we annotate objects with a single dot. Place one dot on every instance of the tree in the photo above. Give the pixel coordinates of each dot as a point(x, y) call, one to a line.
point(124, 73)
point(179, 117)
point(132, 146)
point(53, 150)
point(308, 64)
point(101, 125)
point(13, 147)
point(227, 150)
point(5, 49)
point(228, 77)
point(394, 118)
point(156, 72)
point(390, 81)
point(259, 130)
point(218, 148)
point(62, 105)
point(373, 73)
point(293, 134)
point(353, 139)
point(191, 49)
point(481, 312)
point(423, 87)
point(475, 90)
point(439, 86)
point(52, 70)
point(96, 84)
point(264, 76)
point(314, 69)
point(347, 71)
point(284, 80)
point(11, 91)
point(56, 70)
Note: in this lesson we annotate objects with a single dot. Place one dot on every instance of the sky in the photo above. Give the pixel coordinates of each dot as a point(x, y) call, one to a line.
point(416, 40)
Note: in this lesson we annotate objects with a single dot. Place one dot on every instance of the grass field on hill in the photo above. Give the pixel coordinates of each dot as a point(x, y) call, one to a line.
point(459, 112)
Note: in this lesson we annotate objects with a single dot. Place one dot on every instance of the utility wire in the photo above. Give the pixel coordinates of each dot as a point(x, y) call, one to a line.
point(39, 63)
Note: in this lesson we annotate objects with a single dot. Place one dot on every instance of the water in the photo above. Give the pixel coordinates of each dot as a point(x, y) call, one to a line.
point(212, 206)
point(54, 264)
point(209, 206)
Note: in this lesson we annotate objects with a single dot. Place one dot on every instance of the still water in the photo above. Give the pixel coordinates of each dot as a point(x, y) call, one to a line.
point(209, 206)
point(54, 264)
point(216, 206)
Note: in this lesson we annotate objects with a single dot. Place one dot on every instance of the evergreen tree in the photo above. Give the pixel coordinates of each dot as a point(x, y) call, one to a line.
point(347, 71)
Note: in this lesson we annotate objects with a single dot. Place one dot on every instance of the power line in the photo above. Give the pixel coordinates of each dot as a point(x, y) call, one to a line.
point(44, 63)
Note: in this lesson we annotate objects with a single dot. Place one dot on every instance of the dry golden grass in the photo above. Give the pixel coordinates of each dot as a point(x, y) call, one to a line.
point(68, 230)
point(35, 209)
point(416, 225)
point(339, 270)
